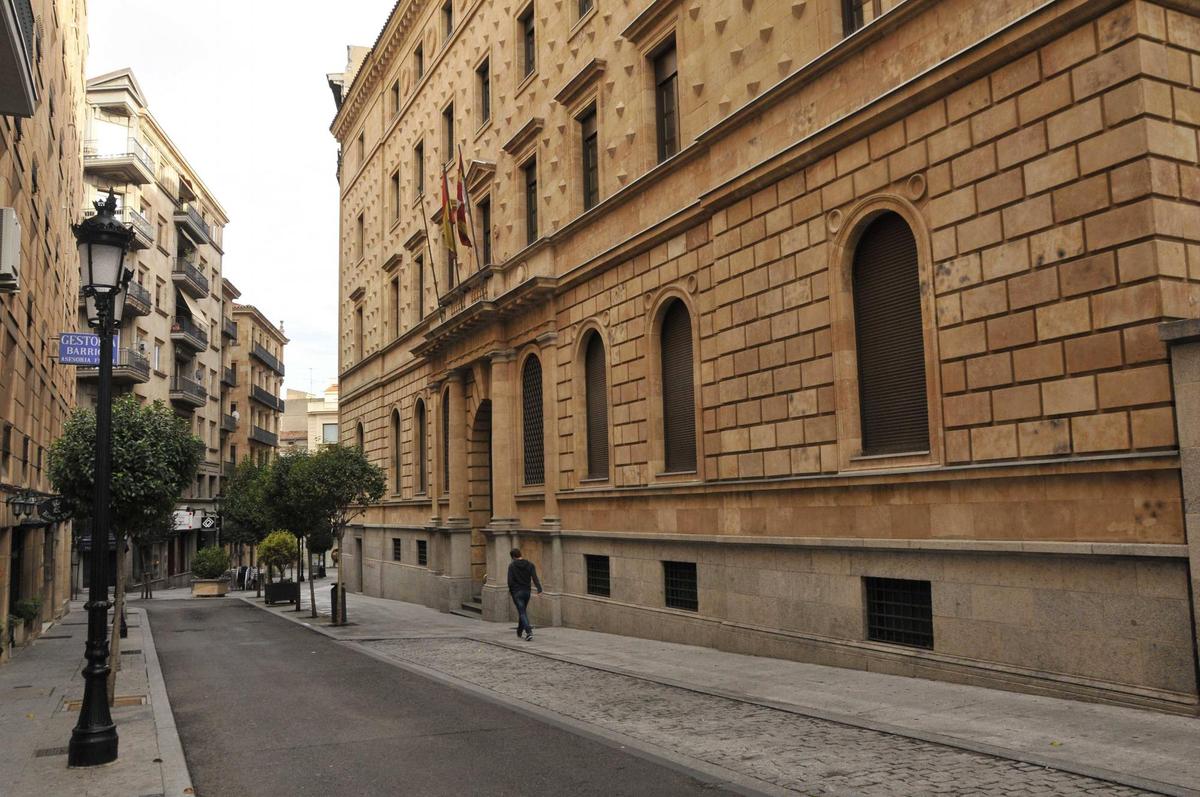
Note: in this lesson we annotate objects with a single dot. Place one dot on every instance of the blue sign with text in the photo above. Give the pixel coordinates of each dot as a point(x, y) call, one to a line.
point(81, 348)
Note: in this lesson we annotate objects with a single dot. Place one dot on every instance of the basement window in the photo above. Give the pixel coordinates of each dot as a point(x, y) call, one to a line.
point(598, 582)
point(397, 548)
point(899, 612)
point(422, 553)
point(679, 581)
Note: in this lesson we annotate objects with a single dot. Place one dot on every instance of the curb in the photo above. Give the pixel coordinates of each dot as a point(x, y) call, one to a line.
point(981, 748)
point(177, 779)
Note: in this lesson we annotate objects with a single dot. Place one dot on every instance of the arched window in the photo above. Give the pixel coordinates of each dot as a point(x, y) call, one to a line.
point(678, 391)
point(446, 442)
point(596, 396)
point(889, 336)
point(532, 423)
point(359, 437)
point(396, 449)
point(422, 449)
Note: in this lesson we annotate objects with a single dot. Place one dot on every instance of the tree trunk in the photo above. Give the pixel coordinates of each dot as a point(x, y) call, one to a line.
point(312, 587)
point(340, 614)
point(114, 649)
point(296, 571)
point(257, 581)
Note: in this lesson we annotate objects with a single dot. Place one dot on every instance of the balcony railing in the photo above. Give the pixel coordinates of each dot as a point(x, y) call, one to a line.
point(129, 365)
point(229, 328)
point(268, 359)
point(184, 330)
point(229, 377)
point(188, 217)
point(189, 278)
point(260, 435)
point(188, 390)
point(137, 300)
point(266, 397)
point(229, 423)
point(143, 230)
point(131, 162)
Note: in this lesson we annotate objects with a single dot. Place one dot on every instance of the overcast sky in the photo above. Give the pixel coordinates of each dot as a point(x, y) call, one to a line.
point(239, 86)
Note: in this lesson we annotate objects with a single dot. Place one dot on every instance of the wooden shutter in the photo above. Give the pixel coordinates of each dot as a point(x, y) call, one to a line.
point(531, 400)
point(679, 407)
point(891, 342)
point(596, 390)
point(422, 449)
point(446, 443)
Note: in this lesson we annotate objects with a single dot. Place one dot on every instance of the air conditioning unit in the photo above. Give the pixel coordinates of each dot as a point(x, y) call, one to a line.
point(10, 251)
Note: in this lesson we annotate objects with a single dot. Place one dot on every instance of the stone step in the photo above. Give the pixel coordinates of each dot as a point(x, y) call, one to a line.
point(470, 614)
point(473, 606)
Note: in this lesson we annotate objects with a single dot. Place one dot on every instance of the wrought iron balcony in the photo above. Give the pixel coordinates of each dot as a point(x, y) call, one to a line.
point(266, 398)
point(189, 333)
point(229, 328)
point(260, 435)
point(267, 359)
point(229, 423)
point(137, 300)
point(188, 391)
point(130, 163)
point(143, 230)
point(229, 377)
point(192, 223)
point(129, 367)
point(189, 278)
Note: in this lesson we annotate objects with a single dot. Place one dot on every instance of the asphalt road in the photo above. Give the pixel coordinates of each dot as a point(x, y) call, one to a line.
point(265, 707)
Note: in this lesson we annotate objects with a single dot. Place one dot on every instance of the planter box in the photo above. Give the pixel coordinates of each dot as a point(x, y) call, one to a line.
point(282, 592)
point(21, 634)
point(209, 587)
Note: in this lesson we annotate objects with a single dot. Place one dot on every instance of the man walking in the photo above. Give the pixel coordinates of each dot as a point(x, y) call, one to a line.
point(522, 576)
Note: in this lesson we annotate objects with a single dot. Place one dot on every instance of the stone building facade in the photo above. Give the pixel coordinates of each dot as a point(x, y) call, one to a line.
point(808, 329)
point(253, 406)
point(169, 344)
point(42, 114)
point(310, 421)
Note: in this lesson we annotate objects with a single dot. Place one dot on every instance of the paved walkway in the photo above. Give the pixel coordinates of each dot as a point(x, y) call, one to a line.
point(1142, 749)
point(39, 690)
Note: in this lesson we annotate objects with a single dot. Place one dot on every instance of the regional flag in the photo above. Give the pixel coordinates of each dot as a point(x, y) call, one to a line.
point(460, 217)
point(447, 219)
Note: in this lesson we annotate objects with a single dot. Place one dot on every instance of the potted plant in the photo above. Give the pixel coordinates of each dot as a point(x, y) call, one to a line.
point(208, 568)
point(24, 612)
point(275, 553)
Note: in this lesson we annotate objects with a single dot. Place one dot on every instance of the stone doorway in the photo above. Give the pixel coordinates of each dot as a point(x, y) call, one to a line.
point(479, 491)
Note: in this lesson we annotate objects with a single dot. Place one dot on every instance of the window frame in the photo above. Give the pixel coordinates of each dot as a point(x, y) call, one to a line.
point(589, 178)
point(540, 437)
point(397, 447)
point(527, 43)
point(483, 211)
point(483, 91)
point(418, 62)
point(670, 44)
point(418, 151)
point(583, 475)
point(529, 190)
point(654, 322)
point(421, 448)
point(448, 132)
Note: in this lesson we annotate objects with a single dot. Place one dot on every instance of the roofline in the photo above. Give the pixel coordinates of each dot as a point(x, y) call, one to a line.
point(364, 67)
point(251, 309)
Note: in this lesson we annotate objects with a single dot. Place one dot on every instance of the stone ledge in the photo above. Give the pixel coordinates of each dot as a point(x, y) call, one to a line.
point(1185, 331)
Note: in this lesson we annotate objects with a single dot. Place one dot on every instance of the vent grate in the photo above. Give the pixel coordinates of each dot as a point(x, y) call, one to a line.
point(900, 611)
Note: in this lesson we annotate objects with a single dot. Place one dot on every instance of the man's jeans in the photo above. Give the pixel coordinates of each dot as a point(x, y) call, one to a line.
point(521, 598)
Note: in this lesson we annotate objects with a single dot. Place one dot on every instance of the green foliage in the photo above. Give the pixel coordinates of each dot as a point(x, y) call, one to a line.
point(278, 549)
point(245, 515)
point(343, 483)
point(154, 459)
point(210, 562)
point(320, 541)
point(290, 493)
point(27, 609)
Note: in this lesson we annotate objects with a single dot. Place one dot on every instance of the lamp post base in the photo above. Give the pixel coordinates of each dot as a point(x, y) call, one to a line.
point(92, 747)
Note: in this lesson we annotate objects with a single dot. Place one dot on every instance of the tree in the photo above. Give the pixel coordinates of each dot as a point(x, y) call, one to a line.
point(344, 483)
point(245, 516)
point(154, 459)
point(290, 497)
point(276, 551)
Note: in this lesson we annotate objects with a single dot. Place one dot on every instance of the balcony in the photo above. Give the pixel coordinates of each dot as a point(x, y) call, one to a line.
point(260, 435)
point(189, 278)
point(229, 328)
point(143, 230)
point(229, 423)
point(266, 398)
point(267, 358)
point(186, 332)
point(137, 300)
point(188, 219)
point(188, 391)
point(229, 377)
point(130, 367)
point(126, 164)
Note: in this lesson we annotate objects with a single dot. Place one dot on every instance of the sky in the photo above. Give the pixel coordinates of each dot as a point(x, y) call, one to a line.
point(239, 86)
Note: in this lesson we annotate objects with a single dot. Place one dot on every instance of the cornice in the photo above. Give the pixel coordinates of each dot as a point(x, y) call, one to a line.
point(644, 22)
point(524, 136)
point(392, 262)
point(478, 173)
point(415, 240)
point(574, 88)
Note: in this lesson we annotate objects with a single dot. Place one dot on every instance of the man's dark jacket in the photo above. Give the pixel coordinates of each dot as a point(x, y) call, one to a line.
point(520, 573)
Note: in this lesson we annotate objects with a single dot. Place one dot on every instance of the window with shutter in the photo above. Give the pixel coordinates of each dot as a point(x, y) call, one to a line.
point(446, 443)
point(422, 452)
point(890, 339)
point(396, 449)
point(531, 401)
point(678, 397)
point(596, 395)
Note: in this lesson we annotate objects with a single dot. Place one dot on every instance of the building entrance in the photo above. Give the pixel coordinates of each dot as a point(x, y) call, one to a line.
point(479, 479)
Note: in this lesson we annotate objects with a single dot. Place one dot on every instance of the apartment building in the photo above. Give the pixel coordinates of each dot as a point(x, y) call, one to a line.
point(169, 345)
point(256, 368)
point(309, 421)
point(826, 330)
point(44, 47)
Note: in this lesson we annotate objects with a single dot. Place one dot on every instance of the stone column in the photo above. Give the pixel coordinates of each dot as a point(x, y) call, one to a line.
point(505, 421)
point(1183, 338)
point(549, 351)
point(458, 451)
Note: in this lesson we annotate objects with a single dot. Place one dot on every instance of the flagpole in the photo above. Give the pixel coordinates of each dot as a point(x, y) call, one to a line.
point(448, 225)
point(462, 179)
point(429, 246)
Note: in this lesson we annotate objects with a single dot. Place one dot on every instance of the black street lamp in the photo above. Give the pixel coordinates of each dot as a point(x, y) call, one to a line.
point(103, 241)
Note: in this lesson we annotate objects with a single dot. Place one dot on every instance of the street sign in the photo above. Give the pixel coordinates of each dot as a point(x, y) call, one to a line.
point(54, 509)
point(210, 522)
point(81, 348)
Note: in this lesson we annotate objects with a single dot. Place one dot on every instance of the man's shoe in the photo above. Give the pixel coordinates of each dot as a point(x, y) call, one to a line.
point(529, 637)
point(520, 634)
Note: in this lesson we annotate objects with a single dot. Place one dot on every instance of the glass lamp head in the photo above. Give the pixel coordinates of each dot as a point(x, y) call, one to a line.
point(103, 241)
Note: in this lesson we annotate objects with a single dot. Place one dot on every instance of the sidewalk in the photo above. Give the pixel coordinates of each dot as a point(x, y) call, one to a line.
point(1144, 749)
point(38, 690)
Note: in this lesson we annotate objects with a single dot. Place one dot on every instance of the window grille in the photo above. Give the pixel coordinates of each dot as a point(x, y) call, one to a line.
point(422, 553)
point(678, 396)
point(534, 434)
point(396, 451)
point(680, 586)
point(596, 396)
point(598, 581)
point(446, 443)
point(890, 339)
point(899, 611)
point(422, 449)
point(397, 547)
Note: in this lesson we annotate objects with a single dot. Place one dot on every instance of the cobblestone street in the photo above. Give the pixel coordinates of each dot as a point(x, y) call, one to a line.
point(807, 755)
